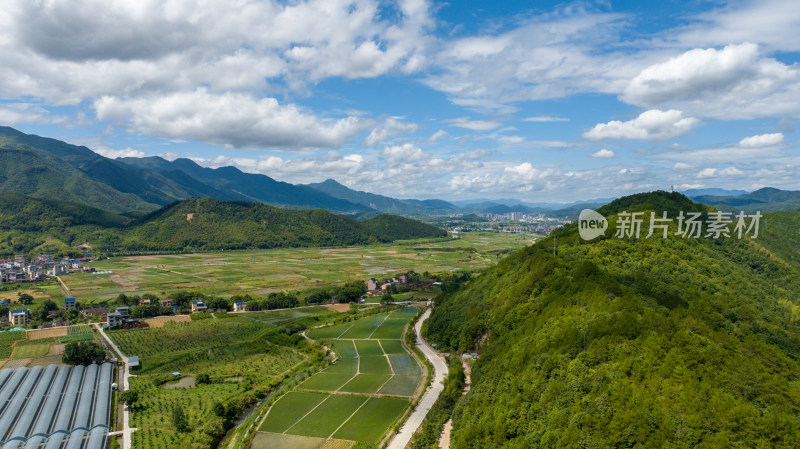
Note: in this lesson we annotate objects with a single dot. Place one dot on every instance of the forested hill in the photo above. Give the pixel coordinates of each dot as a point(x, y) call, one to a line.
point(205, 223)
point(650, 343)
point(400, 228)
point(33, 225)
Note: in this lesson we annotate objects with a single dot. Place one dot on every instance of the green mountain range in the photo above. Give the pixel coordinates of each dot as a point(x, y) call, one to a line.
point(34, 225)
point(765, 200)
point(384, 203)
point(47, 168)
point(651, 343)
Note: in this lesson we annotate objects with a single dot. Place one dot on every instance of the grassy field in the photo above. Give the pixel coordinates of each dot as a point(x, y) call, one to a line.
point(40, 290)
point(355, 399)
point(31, 351)
point(260, 272)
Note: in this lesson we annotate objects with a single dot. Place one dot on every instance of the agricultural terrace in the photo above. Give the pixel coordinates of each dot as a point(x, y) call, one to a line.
point(356, 399)
point(39, 347)
point(260, 272)
point(243, 356)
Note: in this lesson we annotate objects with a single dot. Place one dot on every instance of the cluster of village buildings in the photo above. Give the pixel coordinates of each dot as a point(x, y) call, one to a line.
point(375, 286)
point(121, 316)
point(21, 269)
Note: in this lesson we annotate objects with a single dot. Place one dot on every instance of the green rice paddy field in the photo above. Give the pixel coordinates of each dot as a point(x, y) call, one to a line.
point(355, 399)
point(260, 272)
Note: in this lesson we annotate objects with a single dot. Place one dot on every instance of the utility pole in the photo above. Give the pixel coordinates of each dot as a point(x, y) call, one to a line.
point(554, 245)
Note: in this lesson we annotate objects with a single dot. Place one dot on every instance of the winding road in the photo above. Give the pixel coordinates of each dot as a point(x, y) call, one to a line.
point(400, 441)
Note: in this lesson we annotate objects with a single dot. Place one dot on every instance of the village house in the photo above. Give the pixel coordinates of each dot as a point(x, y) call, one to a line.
point(166, 302)
point(144, 301)
point(199, 306)
point(240, 306)
point(375, 286)
point(100, 312)
point(118, 317)
point(114, 319)
point(19, 317)
point(372, 284)
point(69, 303)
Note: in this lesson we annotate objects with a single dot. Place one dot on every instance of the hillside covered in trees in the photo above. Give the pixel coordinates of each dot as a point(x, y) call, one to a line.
point(29, 225)
point(396, 227)
point(676, 342)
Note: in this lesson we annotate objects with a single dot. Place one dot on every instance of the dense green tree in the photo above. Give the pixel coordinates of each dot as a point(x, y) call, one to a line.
point(219, 409)
point(129, 397)
point(179, 419)
point(83, 353)
point(72, 314)
point(203, 378)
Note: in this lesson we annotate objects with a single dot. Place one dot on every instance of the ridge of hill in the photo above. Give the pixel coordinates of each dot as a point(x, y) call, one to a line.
point(48, 168)
point(673, 342)
point(57, 227)
point(384, 203)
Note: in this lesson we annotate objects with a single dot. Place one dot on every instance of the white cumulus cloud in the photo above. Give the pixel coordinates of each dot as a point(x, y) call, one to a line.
point(231, 119)
point(404, 153)
point(654, 124)
point(761, 140)
point(714, 172)
point(392, 126)
point(114, 154)
point(603, 154)
point(734, 82)
point(14, 113)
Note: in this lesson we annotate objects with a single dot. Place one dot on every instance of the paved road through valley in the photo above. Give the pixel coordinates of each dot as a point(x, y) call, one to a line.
point(413, 422)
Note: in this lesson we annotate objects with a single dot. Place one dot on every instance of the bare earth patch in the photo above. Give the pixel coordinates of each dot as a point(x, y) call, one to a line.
point(16, 363)
point(56, 350)
point(267, 291)
point(341, 308)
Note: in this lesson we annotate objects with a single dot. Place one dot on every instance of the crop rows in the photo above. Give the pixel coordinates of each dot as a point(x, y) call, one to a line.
point(152, 439)
point(83, 329)
point(76, 337)
point(184, 336)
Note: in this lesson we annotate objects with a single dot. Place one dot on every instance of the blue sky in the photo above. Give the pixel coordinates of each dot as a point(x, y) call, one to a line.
point(541, 101)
